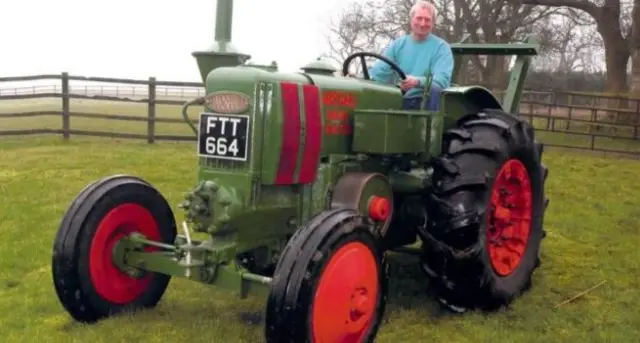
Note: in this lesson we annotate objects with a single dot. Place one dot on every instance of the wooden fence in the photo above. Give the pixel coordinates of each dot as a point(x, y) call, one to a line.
point(561, 119)
point(66, 93)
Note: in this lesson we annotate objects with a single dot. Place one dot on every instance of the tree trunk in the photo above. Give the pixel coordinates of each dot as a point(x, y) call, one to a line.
point(617, 58)
point(635, 83)
point(616, 49)
point(635, 73)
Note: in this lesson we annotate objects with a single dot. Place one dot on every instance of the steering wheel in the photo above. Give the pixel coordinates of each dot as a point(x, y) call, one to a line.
point(362, 55)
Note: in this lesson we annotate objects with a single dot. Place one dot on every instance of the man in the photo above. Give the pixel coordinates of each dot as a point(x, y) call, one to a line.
point(418, 53)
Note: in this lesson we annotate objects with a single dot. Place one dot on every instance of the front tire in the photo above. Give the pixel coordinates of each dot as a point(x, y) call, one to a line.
point(88, 284)
point(486, 212)
point(330, 284)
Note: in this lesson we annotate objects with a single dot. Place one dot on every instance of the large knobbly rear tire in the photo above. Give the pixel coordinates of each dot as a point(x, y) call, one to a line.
point(486, 212)
point(87, 282)
point(330, 283)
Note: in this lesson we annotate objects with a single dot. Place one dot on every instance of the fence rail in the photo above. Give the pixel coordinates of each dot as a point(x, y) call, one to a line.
point(561, 119)
point(133, 91)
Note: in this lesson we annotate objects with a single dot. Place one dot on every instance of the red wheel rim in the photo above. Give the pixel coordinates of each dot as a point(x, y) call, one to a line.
point(346, 298)
point(110, 282)
point(509, 219)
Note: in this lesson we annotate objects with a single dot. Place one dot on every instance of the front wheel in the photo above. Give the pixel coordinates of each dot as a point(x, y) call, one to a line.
point(486, 212)
point(330, 284)
point(88, 283)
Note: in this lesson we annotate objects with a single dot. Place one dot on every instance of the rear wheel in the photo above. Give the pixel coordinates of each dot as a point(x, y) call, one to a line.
point(330, 283)
point(88, 283)
point(486, 212)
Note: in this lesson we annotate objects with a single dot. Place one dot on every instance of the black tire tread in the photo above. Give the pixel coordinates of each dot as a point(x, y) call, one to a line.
point(454, 255)
point(299, 267)
point(70, 240)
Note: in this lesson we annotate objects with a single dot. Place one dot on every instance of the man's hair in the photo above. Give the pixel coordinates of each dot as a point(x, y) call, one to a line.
point(422, 4)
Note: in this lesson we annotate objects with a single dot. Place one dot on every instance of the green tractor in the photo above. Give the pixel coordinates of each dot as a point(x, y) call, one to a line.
point(305, 182)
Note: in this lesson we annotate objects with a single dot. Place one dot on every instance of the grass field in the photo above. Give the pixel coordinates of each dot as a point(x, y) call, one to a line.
point(593, 225)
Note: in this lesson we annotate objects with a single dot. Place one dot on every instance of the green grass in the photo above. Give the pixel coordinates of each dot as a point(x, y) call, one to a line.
point(593, 225)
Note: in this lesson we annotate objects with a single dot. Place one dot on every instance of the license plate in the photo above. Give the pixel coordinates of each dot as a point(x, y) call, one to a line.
point(223, 137)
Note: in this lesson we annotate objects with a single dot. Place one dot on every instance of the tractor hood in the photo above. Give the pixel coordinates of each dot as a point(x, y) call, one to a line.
point(279, 125)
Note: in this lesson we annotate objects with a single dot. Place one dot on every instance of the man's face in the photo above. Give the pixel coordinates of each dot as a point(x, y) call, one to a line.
point(421, 22)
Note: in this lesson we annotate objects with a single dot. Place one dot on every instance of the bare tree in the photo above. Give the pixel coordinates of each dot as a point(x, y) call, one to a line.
point(569, 43)
point(619, 31)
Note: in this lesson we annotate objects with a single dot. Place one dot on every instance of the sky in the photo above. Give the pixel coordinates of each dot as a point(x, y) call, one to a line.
point(143, 38)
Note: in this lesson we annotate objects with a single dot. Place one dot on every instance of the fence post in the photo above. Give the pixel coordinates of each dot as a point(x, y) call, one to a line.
point(568, 124)
point(66, 127)
point(552, 107)
point(151, 120)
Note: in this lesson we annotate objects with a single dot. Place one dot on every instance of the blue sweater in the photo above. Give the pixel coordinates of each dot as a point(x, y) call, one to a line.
point(416, 58)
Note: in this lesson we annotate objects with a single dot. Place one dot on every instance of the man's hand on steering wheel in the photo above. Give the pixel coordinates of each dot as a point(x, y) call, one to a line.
point(408, 83)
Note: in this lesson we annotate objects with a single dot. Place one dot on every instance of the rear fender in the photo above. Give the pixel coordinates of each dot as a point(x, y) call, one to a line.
point(459, 101)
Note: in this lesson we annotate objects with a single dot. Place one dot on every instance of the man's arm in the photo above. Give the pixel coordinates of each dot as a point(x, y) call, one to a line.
point(381, 71)
point(442, 68)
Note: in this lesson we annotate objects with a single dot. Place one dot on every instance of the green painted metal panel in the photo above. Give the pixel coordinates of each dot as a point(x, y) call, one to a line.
point(341, 96)
point(459, 101)
point(389, 132)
